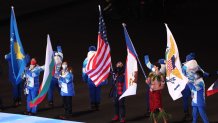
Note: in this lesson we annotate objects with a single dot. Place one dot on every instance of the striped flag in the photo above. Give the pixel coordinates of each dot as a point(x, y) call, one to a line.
point(213, 88)
point(176, 81)
point(131, 70)
point(171, 64)
point(98, 66)
point(49, 66)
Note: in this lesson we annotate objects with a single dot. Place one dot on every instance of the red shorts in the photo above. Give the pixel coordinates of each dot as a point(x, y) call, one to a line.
point(155, 100)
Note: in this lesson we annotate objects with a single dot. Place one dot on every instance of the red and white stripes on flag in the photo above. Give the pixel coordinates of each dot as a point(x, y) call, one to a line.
point(98, 66)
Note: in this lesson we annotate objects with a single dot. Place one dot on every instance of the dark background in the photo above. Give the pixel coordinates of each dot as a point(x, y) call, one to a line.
point(73, 24)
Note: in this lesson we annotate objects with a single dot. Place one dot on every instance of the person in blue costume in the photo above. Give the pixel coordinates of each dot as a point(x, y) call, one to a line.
point(31, 86)
point(94, 92)
point(16, 88)
point(65, 80)
point(151, 68)
point(189, 69)
point(197, 88)
point(58, 58)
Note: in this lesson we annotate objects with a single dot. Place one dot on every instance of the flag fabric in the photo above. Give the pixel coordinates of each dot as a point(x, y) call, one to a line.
point(49, 66)
point(175, 79)
point(131, 70)
point(213, 88)
point(98, 66)
point(17, 55)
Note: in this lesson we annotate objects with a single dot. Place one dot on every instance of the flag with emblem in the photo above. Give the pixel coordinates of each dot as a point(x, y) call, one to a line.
point(98, 66)
point(131, 71)
point(175, 79)
point(17, 55)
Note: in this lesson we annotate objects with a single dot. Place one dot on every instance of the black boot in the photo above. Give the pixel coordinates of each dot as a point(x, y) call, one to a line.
point(147, 114)
point(187, 117)
point(19, 101)
point(93, 106)
point(15, 104)
point(26, 113)
point(1, 106)
point(97, 106)
point(51, 104)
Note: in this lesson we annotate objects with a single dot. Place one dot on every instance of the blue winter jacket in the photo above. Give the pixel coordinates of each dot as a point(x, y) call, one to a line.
point(33, 74)
point(66, 84)
point(198, 92)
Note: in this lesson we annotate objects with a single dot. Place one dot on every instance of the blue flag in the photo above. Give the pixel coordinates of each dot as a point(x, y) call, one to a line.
point(18, 61)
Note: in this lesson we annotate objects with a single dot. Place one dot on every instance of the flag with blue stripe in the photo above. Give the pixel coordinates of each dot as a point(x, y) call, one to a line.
point(131, 70)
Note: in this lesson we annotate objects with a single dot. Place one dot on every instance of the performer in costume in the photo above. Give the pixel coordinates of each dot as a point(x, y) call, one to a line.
point(189, 69)
point(119, 105)
point(151, 68)
point(31, 86)
point(157, 82)
point(16, 88)
point(65, 80)
point(94, 92)
point(58, 58)
point(197, 88)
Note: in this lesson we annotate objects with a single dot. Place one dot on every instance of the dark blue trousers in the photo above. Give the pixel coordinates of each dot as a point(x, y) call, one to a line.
point(186, 95)
point(95, 94)
point(54, 83)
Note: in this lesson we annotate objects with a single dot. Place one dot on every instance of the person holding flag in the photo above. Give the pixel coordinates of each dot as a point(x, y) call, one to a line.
point(119, 82)
point(189, 69)
point(151, 68)
point(94, 91)
point(58, 58)
point(17, 60)
point(31, 87)
point(197, 88)
point(96, 68)
point(156, 80)
point(47, 77)
point(65, 80)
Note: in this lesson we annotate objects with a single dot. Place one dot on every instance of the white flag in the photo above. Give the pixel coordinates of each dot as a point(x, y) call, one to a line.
point(175, 79)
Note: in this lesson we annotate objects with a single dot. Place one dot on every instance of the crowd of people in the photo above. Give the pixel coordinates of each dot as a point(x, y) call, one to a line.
point(63, 79)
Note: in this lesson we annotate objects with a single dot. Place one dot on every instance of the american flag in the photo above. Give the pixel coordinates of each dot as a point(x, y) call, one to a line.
point(98, 67)
point(171, 64)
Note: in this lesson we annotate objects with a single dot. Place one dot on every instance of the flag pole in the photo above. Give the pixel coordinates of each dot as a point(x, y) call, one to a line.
point(124, 26)
point(111, 66)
